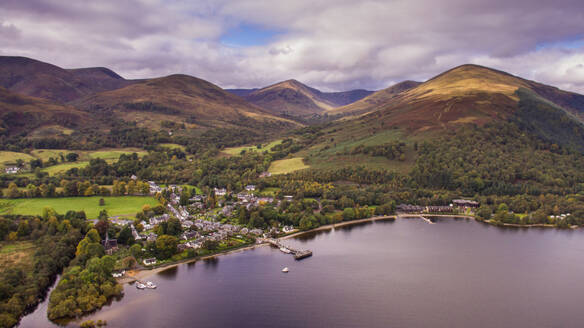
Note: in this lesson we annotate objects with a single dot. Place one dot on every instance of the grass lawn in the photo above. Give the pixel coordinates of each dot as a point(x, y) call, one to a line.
point(115, 153)
point(270, 191)
point(173, 146)
point(287, 165)
point(60, 168)
point(234, 151)
point(121, 205)
point(45, 154)
point(10, 157)
point(108, 154)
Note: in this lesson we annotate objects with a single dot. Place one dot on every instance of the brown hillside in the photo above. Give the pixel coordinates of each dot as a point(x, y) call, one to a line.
point(177, 98)
point(38, 79)
point(375, 99)
point(465, 94)
point(23, 114)
point(294, 98)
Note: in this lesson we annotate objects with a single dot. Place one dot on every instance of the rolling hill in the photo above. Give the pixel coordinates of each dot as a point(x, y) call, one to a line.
point(375, 99)
point(466, 96)
point(38, 79)
point(178, 98)
point(294, 98)
point(35, 116)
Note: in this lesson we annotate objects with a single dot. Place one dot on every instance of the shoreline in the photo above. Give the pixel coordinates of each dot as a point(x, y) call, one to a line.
point(139, 274)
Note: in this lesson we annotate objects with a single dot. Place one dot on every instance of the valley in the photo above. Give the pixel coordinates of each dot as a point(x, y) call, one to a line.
point(132, 175)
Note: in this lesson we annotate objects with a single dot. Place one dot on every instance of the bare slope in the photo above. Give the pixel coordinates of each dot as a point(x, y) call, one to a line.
point(465, 94)
point(38, 79)
point(294, 98)
point(177, 98)
point(23, 114)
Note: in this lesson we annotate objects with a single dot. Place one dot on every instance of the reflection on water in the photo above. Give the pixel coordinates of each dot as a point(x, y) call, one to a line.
point(169, 273)
point(211, 262)
point(407, 273)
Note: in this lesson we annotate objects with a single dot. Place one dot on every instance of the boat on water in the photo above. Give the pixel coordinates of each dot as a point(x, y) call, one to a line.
point(140, 285)
point(285, 250)
point(285, 270)
point(150, 285)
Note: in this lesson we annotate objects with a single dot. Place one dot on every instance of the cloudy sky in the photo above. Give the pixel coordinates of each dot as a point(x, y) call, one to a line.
point(332, 45)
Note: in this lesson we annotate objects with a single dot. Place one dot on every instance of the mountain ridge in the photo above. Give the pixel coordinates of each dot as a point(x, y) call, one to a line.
point(296, 98)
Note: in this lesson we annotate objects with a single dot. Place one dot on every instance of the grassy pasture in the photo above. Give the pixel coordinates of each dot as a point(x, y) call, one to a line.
point(284, 166)
point(234, 151)
point(120, 205)
point(114, 154)
point(110, 155)
point(173, 146)
point(10, 157)
point(16, 253)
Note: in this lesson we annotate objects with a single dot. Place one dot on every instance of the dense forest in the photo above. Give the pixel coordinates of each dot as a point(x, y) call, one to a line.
point(53, 239)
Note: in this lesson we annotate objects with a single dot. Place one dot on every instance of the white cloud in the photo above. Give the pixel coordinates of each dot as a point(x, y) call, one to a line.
point(333, 45)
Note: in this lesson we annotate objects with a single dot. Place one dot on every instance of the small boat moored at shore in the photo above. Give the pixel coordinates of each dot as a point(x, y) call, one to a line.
point(285, 270)
point(150, 285)
point(140, 285)
point(285, 250)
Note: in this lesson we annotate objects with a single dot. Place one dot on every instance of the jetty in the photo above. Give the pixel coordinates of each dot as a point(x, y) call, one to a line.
point(298, 254)
point(415, 216)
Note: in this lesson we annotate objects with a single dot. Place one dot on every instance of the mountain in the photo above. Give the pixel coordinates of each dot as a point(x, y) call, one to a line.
point(465, 97)
point(38, 79)
point(465, 94)
point(177, 98)
point(241, 92)
point(37, 117)
point(297, 99)
point(375, 99)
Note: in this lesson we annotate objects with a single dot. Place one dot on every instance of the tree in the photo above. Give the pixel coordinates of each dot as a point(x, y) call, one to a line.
point(13, 191)
point(210, 244)
point(72, 157)
point(348, 214)
point(125, 236)
point(136, 250)
point(166, 246)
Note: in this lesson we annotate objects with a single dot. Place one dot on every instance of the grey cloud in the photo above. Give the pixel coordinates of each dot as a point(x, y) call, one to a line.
point(333, 45)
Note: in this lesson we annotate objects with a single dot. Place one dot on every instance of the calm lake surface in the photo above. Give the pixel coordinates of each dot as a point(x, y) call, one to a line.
point(407, 273)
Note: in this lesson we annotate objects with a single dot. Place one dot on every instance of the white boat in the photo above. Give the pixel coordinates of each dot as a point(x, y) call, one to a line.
point(285, 250)
point(140, 285)
point(150, 285)
point(285, 270)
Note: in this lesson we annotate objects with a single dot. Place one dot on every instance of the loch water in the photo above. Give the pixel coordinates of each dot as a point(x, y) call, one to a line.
point(403, 273)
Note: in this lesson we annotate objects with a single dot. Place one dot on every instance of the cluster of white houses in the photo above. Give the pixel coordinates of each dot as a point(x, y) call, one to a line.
point(196, 229)
point(456, 205)
point(12, 170)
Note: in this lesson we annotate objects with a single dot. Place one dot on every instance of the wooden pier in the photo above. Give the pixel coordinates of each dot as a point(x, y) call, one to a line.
point(298, 254)
point(407, 215)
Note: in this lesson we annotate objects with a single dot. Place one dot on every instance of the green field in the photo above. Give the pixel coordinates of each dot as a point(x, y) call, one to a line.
point(115, 153)
point(61, 168)
point(122, 205)
point(270, 191)
point(10, 157)
point(110, 155)
point(234, 151)
point(287, 165)
point(173, 146)
point(16, 253)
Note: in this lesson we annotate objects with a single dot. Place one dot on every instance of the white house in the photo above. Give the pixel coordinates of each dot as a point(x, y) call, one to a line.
point(12, 170)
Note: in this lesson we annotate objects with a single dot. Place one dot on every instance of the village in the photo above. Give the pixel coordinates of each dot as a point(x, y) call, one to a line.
point(199, 224)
